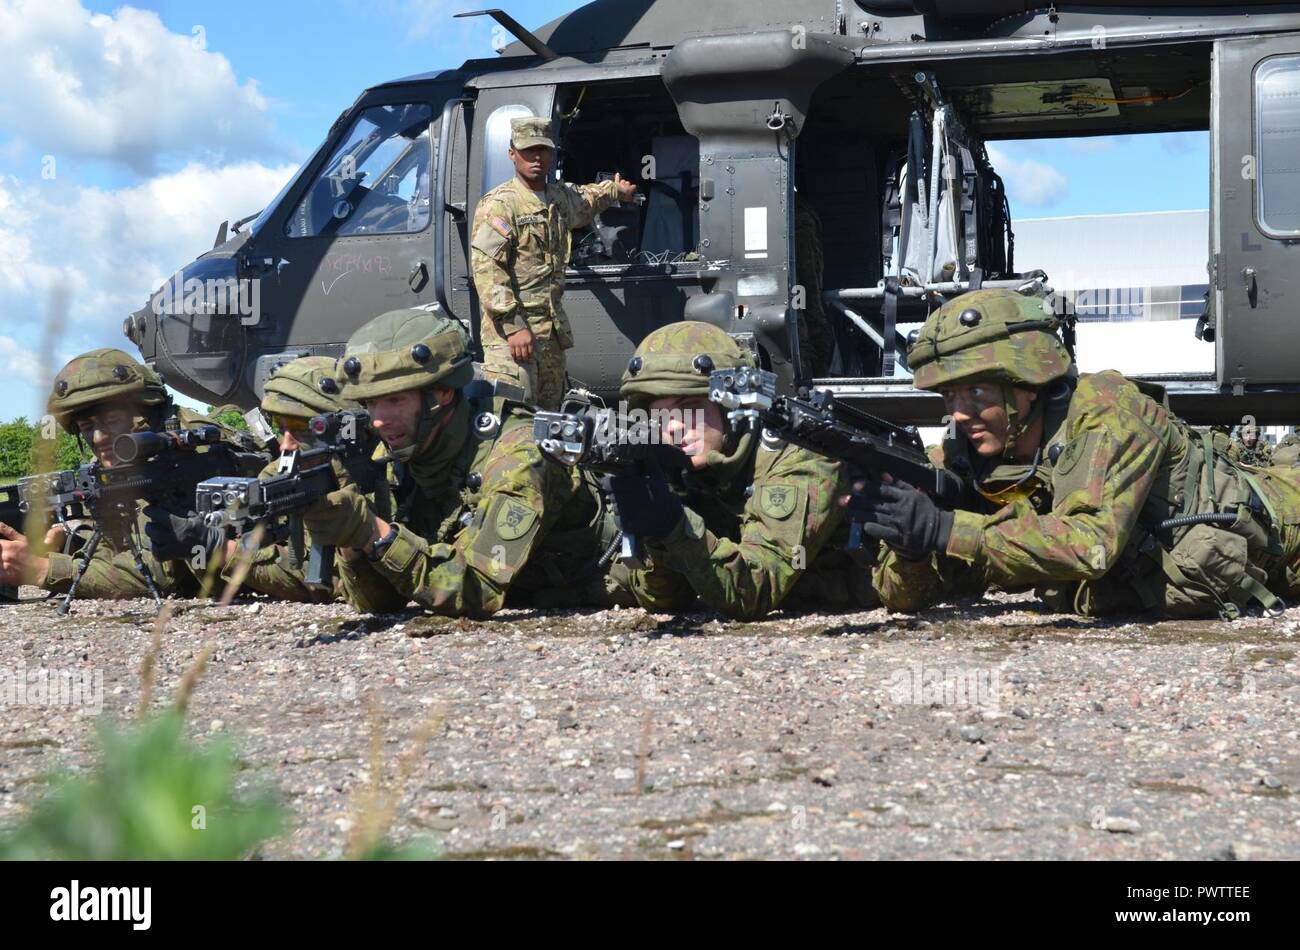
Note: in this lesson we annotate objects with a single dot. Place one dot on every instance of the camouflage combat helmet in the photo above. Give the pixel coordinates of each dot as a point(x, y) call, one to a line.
point(100, 376)
point(676, 360)
point(989, 334)
point(403, 350)
point(997, 336)
point(305, 387)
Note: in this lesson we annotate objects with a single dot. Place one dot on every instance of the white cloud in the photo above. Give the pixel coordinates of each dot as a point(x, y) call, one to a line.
point(121, 87)
point(1092, 144)
point(1029, 183)
point(111, 249)
point(18, 361)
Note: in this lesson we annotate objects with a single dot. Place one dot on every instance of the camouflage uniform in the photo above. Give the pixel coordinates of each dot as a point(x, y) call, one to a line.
point(304, 388)
point(1114, 463)
point(1287, 453)
point(762, 527)
point(816, 339)
point(479, 512)
point(519, 249)
point(89, 381)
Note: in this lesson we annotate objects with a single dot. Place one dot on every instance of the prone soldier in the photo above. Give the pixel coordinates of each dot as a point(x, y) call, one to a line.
point(479, 514)
point(753, 524)
point(1089, 489)
point(295, 393)
point(99, 396)
point(520, 244)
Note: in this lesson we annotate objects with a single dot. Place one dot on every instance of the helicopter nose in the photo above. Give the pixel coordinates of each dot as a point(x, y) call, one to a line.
point(136, 326)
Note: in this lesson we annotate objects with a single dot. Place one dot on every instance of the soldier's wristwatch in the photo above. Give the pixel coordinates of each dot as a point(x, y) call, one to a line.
point(380, 547)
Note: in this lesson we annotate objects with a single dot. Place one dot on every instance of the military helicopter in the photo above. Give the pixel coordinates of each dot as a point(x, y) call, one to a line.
point(875, 113)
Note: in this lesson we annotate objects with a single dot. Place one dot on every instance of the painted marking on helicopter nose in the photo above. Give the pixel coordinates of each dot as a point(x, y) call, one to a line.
point(326, 290)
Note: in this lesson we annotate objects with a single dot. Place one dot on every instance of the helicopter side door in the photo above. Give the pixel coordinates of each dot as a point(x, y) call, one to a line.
point(1255, 210)
point(488, 165)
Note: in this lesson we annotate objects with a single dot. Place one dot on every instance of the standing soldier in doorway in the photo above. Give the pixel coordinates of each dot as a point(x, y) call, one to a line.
point(519, 249)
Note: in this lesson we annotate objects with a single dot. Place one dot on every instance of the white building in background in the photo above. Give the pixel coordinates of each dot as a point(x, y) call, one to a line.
point(1138, 281)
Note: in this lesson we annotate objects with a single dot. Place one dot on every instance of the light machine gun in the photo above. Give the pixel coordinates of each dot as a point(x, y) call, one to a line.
point(816, 421)
point(241, 505)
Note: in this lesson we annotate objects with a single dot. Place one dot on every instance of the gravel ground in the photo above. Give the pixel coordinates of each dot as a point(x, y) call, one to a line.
point(985, 730)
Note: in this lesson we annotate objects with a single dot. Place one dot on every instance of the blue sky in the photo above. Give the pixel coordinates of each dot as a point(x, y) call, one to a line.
point(161, 120)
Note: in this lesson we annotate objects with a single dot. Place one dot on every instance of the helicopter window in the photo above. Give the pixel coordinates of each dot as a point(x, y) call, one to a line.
point(1277, 138)
point(631, 128)
point(497, 167)
point(376, 181)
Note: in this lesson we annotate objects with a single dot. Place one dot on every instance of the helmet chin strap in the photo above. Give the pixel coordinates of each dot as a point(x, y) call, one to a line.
point(1017, 429)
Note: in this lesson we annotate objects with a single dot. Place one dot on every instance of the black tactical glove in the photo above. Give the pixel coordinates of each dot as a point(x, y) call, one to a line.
point(174, 537)
point(645, 506)
point(902, 517)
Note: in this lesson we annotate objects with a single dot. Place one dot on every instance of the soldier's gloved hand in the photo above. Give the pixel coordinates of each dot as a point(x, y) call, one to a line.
point(900, 516)
point(645, 506)
point(342, 519)
point(175, 537)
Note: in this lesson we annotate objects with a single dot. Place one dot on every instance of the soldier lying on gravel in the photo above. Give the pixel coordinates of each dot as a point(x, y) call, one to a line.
point(753, 525)
point(295, 393)
point(99, 396)
point(1091, 490)
point(479, 513)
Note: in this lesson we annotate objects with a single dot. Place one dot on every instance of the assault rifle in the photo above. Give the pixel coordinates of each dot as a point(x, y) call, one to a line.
point(58, 496)
point(157, 468)
point(816, 421)
point(600, 440)
point(241, 505)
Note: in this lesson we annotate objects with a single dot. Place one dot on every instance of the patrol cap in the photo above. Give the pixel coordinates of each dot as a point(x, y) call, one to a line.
point(105, 375)
point(404, 350)
point(989, 334)
point(677, 359)
point(305, 387)
point(529, 131)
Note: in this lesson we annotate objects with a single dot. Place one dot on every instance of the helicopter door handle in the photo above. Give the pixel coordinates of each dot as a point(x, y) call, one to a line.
point(419, 276)
point(1249, 275)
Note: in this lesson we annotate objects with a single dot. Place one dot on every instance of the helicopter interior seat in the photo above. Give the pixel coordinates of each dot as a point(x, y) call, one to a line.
point(671, 222)
point(378, 214)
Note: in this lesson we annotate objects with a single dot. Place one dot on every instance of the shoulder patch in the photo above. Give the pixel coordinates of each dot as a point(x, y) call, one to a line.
point(777, 501)
point(1070, 454)
point(500, 225)
point(513, 519)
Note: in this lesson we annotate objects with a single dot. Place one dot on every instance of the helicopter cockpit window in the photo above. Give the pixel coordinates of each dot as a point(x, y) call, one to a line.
point(377, 180)
point(1277, 138)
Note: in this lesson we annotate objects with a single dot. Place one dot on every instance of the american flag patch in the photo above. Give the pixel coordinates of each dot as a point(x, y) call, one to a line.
point(501, 225)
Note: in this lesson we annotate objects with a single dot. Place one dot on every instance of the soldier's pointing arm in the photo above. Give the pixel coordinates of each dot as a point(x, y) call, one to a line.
point(587, 201)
